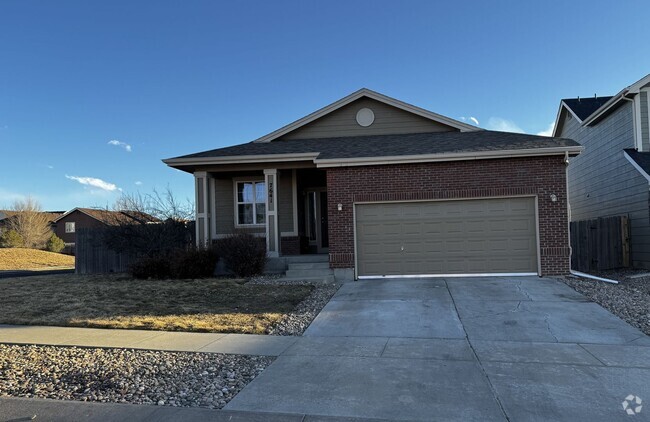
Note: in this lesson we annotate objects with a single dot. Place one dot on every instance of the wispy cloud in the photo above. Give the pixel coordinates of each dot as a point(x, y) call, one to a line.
point(548, 131)
point(121, 144)
point(503, 125)
point(50, 166)
point(94, 182)
point(138, 183)
point(471, 119)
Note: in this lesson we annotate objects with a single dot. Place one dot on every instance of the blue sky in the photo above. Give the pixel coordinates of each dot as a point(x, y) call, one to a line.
point(171, 78)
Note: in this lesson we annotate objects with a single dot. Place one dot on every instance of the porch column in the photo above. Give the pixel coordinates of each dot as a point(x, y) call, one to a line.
point(202, 183)
point(272, 232)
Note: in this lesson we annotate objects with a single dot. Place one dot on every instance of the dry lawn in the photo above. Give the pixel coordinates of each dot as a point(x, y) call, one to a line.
point(118, 301)
point(32, 259)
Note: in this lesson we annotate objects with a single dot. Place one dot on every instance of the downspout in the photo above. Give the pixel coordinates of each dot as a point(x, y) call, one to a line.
point(577, 273)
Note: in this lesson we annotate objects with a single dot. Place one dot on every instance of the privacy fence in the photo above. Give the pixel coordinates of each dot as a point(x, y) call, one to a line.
point(600, 244)
point(93, 257)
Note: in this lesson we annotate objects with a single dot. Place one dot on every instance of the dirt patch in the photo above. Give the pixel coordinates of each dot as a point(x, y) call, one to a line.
point(118, 301)
point(32, 259)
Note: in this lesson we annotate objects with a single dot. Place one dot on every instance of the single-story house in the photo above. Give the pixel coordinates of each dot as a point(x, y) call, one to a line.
point(66, 225)
point(386, 188)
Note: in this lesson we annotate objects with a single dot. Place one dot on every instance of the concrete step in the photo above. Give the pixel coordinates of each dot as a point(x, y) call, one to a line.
point(319, 272)
point(323, 279)
point(292, 259)
point(309, 265)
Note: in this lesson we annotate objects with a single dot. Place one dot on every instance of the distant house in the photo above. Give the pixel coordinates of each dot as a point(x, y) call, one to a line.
point(66, 225)
point(611, 177)
point(7, 215)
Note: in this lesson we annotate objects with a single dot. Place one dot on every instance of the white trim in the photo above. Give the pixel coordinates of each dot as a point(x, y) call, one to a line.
point(253, 180)
point(630, 90)
point(563, 105)
point(272, 215)
point(459, 156)
point(537, 236)
point(256, 234)
point(241, 159)
point(638, 134)
point(364, 92)
point(637, 167)
point(368, 277)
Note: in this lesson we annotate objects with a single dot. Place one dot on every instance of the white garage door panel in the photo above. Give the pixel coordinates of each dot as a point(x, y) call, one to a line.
point(447, 237)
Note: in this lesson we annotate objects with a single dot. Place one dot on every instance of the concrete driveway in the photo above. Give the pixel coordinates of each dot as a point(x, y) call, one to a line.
point(459, 349)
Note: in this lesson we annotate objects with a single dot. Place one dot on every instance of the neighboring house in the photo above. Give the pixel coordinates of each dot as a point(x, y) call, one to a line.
point(66, 225)
point(388, 189)
point(611, 176)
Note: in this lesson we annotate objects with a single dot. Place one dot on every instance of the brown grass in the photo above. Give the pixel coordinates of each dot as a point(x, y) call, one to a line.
point(32, 259)
point(117, 301)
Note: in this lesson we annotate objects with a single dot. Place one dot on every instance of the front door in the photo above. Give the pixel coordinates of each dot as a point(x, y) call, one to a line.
point(317, 220)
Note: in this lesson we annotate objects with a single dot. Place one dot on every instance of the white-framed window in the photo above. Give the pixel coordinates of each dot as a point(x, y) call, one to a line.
point(69, 227)
point(250, 204)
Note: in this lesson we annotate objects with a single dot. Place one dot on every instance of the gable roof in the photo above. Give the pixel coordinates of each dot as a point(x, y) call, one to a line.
point(609, 105)
point(385, 149)
point(365, 92)
point(640, 161)
point(110, 218)
point(584, 107)
point(51, 215)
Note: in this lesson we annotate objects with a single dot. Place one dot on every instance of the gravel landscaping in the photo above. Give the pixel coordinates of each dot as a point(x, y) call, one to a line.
point(294, 323)
point(629, 300)
point(126, 376)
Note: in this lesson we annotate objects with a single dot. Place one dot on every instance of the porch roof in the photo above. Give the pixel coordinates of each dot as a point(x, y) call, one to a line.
point(404, 147)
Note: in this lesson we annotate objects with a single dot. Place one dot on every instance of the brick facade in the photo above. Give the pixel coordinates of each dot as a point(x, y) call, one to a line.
point(290, 245)
point(541, 176)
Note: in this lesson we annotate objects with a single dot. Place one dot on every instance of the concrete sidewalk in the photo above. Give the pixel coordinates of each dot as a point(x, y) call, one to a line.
point(241, 344)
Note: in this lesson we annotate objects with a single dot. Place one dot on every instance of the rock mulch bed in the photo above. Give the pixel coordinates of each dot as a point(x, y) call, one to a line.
point(629, 300)
point(296, 322)
point(126, 376)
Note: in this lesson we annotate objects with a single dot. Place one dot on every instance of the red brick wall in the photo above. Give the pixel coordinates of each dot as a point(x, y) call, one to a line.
point(540, 176)
point(290, 245)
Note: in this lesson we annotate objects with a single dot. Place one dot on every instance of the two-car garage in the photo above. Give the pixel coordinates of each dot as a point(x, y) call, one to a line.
point(447, 237)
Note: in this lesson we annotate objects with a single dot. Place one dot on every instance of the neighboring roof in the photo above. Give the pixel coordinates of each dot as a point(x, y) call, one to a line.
point(113, 217)
point(430, 146)
point(365, 92)
point(52, 215)
point(640, 160)
point(584, 107)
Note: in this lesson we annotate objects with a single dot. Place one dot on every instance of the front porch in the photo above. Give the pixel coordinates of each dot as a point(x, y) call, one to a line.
point(286, 206)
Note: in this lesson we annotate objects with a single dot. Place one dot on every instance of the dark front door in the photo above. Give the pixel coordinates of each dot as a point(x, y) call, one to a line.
point(317, 220)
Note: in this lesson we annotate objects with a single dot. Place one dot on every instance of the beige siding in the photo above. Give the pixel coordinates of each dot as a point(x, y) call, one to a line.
point(388, 120)
point(285, 201)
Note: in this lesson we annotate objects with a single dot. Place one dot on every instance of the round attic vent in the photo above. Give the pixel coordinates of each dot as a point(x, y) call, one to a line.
point(365, 117)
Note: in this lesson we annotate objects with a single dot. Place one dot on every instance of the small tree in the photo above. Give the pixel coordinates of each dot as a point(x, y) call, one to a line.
point(55, 244)
point(31, 223)
point(11, 239)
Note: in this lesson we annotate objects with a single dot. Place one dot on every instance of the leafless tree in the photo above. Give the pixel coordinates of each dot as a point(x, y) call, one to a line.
point(30, 222)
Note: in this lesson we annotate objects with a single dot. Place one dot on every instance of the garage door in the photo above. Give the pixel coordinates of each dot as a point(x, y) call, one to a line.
point(447, 237)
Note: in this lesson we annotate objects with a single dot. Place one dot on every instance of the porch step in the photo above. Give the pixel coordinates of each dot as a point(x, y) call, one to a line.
point(317, 272)
point(309, 265)
point(323, 279)
point(294, 259)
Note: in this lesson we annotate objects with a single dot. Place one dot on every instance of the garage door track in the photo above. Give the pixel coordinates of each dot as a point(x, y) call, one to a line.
point(520, 348)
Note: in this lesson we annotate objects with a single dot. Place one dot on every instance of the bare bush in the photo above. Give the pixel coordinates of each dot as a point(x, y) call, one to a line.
point(31, 223)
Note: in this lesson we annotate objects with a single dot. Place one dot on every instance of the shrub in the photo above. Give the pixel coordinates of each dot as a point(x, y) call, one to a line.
point(55, 244)
point(243, 254)
point(11, 239)
point(177, 264)
point(157, 267)
point(193, 263)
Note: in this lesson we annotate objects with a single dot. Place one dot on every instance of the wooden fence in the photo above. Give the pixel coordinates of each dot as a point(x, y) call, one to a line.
point(92, 257)
point(600, 244)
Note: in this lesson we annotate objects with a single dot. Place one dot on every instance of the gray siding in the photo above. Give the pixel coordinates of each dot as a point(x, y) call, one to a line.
point(388, 120)
point(285, 201)
point(603, 183)
point(224, 205)
point(645, 129)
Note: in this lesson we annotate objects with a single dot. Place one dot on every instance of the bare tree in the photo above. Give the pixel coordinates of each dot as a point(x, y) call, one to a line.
point(31, 223)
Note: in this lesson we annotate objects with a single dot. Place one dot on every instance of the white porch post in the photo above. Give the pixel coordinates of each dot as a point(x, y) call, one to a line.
point(272, 232)
point(202, 183)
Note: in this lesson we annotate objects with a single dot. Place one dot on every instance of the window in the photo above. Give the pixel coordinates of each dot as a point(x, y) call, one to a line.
point(69, 227)
point(251, 203)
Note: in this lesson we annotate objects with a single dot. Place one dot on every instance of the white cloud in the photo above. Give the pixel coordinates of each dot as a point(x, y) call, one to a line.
point(472, 119)
point(138, 183)
point(94, 182)
point(50, 166)
point(503, 125)
point(117, 143)
point(548, 131)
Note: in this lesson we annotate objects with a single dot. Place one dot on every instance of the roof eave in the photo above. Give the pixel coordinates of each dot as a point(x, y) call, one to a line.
point(240, 159)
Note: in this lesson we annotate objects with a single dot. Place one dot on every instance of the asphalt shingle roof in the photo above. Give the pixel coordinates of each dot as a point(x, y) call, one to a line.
point(585, 107)
point(393, 145)
point(641, 158)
